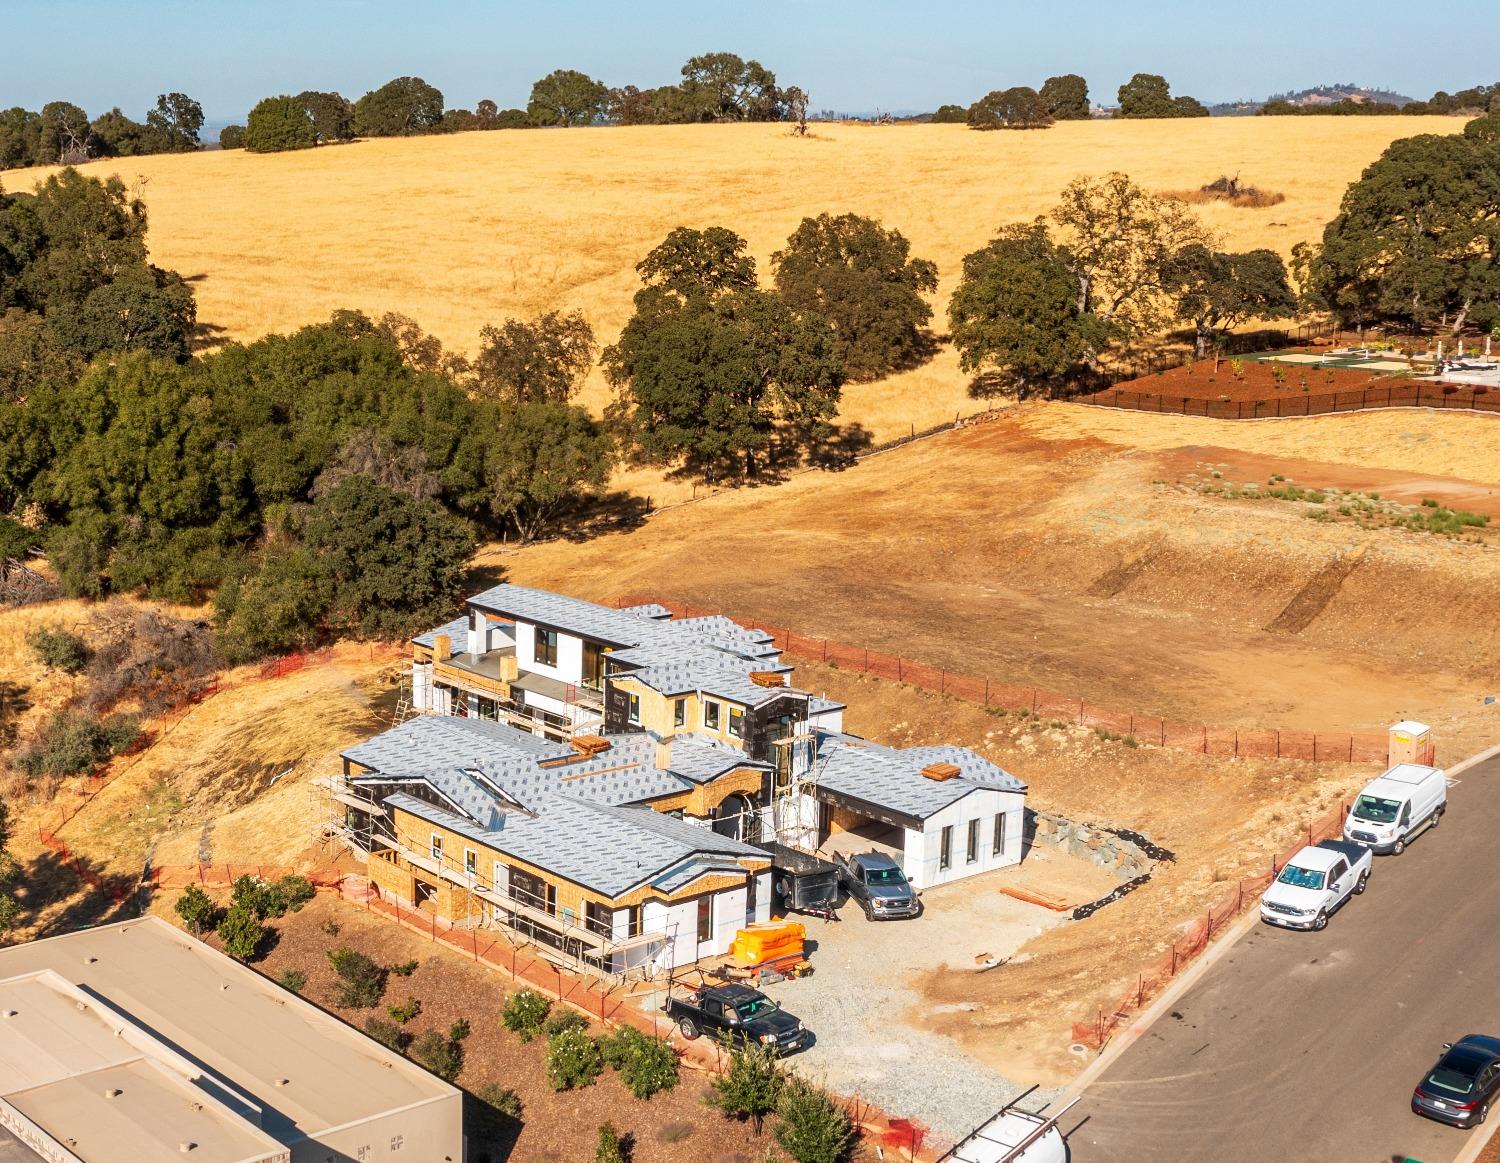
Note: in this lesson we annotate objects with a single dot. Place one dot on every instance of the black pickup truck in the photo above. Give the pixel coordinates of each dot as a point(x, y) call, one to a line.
point(738, 1012)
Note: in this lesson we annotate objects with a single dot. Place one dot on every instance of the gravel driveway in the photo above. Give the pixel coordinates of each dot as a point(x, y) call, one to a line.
point(868, 1017)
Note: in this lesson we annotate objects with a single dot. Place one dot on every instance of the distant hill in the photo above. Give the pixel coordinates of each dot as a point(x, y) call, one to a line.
point(1317, 95)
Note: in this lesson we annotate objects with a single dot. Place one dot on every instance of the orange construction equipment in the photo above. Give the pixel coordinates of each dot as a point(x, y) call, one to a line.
point(768, 941)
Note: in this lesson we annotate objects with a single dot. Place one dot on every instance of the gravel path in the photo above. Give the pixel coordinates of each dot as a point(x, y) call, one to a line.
point(866, 1014)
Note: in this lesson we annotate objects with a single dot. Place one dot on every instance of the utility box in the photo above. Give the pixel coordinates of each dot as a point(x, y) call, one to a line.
point(1410, 742)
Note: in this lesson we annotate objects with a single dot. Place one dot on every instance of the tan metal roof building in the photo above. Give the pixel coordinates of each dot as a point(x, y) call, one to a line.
point(135, 1042)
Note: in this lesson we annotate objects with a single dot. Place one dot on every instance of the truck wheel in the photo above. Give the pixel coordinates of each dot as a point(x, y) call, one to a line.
point(868, 911)
point(688, 1028)
point(1364, 879)
point(1437, 818)
point(1320, 922)
point(1398, 847)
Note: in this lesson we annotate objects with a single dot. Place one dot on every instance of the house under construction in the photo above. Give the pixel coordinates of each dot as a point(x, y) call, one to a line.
point(595, 780)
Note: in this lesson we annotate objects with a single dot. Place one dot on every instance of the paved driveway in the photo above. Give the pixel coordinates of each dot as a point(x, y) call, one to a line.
point(1306, 1046)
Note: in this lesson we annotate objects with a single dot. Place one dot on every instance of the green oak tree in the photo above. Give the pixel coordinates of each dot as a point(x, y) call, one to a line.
point(862, 278)
point(567, 97)
point(401, 107)
point(1016, 314)
point(1020, 107)
point(279, 123)
point(534, 361)
point(714, 375)
point(332, 115)
point(1147, 95)
point(1066, 97)
point(1216, 291)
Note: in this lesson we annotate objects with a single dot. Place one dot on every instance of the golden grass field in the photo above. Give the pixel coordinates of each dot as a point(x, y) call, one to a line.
point(465, 230)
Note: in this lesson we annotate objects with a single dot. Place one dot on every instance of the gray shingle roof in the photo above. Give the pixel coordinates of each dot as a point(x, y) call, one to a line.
point(607, 849)
point(630, 627)
point(647, 610)
point(457, 631)
point(892, 778)
point(701, 759)
point(427, 742)
point(678, 676)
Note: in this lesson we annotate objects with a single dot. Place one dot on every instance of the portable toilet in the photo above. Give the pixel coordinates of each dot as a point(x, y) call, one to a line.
point(1410, 742)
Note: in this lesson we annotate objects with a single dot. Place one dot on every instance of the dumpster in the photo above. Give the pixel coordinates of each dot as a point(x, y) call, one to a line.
point(802, 882)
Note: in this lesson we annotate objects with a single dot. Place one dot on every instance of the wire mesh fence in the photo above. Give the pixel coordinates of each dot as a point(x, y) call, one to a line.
point(1050, 707)
point(1398, 394)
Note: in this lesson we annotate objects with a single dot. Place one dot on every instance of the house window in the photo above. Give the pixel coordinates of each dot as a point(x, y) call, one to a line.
point(635, 709)
point(971, 852)
point(945, 851)
point(705, 919)
point(999, 849)
point(546, 647)
point(736, 722)
point(679, 712)
point(598, 918)
point(471, 862)
point(437, 847)
point(711, 715)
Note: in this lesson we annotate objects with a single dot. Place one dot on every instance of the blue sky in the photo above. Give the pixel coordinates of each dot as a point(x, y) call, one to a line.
point(850, 56)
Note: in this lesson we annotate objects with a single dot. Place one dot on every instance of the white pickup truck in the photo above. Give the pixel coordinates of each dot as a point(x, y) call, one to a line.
point(1315, 882)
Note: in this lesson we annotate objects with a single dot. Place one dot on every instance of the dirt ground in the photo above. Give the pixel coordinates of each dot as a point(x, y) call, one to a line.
point(673, 1127)
point(1252, 380)
point(1035, 551)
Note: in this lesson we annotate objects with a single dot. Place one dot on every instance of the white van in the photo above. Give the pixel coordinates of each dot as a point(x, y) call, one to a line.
point(1396, 806)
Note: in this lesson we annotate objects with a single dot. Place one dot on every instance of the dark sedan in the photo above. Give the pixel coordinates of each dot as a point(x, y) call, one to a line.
point(1460, 1088)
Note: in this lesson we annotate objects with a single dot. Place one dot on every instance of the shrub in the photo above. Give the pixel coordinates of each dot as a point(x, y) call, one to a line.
point(459, 1030)
point(241, 933)
point(387, 1033)
point(405, 969)
point(74, 742)
point(292, 979)
point(525, 1011)
point(58, 649)
point(647, 1065)
point(295, 891)
point(331, 928)
point(607, 1148)
point(750, 1087)
point(565, 1019)
point(197, 910)
point(573, 1060)
point(443, 1056)
point(361, 982)
point(405, 1011)
point(501, 1099)
point(813, 1127)
point(261, 897)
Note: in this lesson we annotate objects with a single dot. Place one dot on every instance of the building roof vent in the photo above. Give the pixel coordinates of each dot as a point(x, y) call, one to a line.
point(940, 772)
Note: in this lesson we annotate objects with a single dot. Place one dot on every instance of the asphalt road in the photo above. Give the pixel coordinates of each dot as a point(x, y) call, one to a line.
point(1306, 1046)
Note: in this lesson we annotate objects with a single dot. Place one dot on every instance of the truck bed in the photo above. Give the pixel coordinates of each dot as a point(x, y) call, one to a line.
point(1357, 853)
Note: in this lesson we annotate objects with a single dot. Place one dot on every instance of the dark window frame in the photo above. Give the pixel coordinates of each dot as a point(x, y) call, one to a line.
point(544, 648)
point(945, 848)
point(971, 842)
point(998, 848)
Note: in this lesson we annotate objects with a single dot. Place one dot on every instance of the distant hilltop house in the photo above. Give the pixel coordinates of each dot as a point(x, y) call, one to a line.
point(598, 780)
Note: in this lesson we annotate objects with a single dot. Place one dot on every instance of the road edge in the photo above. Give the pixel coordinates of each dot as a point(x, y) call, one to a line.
point(1185, 981)
point(1480, 1138)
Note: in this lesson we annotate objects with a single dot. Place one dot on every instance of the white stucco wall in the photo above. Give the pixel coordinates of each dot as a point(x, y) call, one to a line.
point(569, 666)
point(923, 860)
point(421, 686)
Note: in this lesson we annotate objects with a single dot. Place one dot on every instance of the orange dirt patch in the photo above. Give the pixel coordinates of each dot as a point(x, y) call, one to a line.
point(1253, 381)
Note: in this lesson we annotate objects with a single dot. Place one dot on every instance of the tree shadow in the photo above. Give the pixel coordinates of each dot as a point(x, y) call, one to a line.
point(923, 348)
point(105, 897)
point(613, 512)
point(991, 385)
point(13, 704)
point(841, 448)
point(207, 337)
point(492, 1136)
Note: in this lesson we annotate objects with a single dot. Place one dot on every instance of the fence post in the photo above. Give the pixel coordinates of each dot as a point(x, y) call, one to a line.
point(1315, 746)
point(942, 682)
point(986, 692)
point(825, 650)
point(1278, 744)
point(898, 668)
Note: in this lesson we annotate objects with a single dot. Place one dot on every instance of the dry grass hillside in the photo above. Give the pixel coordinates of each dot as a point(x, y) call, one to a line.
point(465, 230)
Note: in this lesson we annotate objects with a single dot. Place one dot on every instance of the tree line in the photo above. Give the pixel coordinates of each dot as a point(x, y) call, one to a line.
point(1066, 98)
point(717, 86)
point(63, 134)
